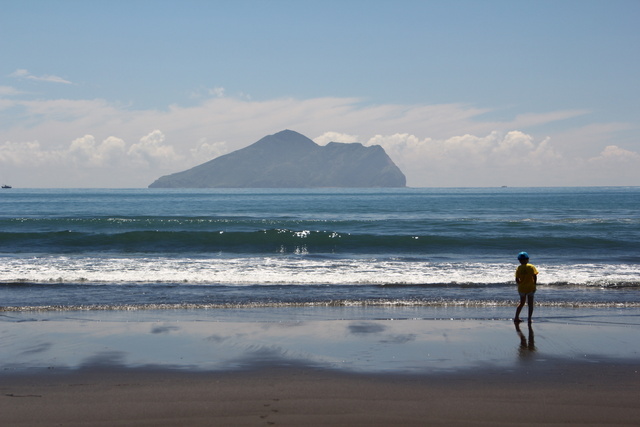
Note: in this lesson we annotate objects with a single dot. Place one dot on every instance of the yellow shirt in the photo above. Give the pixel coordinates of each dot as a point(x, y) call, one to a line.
point(526, 278)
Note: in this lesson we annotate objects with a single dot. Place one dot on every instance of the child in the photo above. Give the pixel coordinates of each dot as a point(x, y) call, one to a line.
point(526, 278)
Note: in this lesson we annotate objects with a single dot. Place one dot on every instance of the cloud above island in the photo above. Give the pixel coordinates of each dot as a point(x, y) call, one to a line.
point(95, 143)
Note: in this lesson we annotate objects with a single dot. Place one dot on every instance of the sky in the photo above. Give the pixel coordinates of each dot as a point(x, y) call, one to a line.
point(459, 93)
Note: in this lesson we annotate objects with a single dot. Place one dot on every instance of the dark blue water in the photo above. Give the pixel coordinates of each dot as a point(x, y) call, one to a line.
point(147, 248)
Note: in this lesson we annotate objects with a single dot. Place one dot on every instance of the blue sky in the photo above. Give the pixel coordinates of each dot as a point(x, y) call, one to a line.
point(459, 93)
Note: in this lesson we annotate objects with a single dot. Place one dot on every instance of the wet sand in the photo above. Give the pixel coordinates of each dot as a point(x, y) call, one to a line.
point(567, 394)
point(121, 369)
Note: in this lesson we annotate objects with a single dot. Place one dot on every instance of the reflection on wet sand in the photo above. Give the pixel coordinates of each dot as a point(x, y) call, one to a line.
point(527, 344)
point(199, 342)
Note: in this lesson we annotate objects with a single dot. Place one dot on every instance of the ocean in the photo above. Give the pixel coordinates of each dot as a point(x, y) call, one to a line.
point(418, 251)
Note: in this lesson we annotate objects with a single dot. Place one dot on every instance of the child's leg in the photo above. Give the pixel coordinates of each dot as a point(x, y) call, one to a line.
point(530, 304)
point(519, 309)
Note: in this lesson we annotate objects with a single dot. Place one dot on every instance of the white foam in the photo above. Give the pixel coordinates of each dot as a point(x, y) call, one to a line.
point(292, 270)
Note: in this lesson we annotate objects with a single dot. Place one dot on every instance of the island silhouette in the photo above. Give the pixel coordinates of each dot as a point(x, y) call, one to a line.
point(289, 159)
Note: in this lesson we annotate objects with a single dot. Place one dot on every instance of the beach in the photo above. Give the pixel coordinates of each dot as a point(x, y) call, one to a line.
point(567, 394)
point(339, 307)
point(192, 367)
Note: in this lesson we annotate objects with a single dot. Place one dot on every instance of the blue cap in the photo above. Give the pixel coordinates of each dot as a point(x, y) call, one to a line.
point(523, 255)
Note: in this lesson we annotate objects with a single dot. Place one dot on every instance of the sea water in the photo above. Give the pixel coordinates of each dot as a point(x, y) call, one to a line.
point(330, 249)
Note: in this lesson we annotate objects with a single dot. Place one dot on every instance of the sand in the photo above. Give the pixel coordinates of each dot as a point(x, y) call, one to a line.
point(119, 369)
point(573, 394)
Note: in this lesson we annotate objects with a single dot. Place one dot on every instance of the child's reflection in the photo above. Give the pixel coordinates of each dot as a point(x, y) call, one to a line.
point(527, 346)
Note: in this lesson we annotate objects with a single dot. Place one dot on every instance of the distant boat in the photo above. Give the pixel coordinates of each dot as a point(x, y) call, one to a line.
point(6, 186)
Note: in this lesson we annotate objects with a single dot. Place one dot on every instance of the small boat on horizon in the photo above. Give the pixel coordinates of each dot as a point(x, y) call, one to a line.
point(6, 186)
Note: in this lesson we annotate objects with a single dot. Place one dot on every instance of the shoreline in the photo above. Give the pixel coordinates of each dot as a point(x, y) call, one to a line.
point(372, 340)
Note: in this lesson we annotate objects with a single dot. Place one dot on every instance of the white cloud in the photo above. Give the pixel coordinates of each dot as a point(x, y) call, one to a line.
point(85, 152)
point(20, 73)
point(218, 92)
point(612, 166)
point(9, 91)
point(588, 140)
point(25, 74)
point(151, 151)
point(468, 160)
point(533, 119)
point(613, 153)
point(87, 162)
point(25, 155)
point(205, 151)
point(435, 145)
point(615, 166)
point(328, 137)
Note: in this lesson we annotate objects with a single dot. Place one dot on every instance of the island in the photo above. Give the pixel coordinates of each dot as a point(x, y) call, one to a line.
point(289, 159)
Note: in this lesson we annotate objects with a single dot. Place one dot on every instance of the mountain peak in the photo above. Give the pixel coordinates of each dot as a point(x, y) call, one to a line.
point(286, 139)
point(288, 159)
